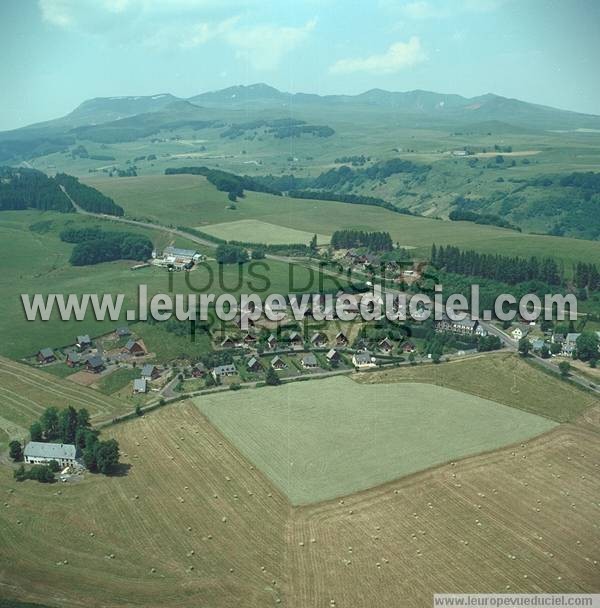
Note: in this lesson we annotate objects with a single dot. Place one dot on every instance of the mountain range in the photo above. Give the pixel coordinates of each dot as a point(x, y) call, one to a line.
point(166, 109)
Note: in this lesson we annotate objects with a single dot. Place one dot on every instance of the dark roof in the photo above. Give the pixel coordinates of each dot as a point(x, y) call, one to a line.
point(364, 357)
point(148, 369)
point(309, 359)
point(95, 361)
point(73, 356)
point(252, 362)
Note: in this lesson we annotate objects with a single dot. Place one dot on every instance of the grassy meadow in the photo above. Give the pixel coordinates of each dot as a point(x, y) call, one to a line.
point(192, 201)
point(338, 437)
point(255, 231)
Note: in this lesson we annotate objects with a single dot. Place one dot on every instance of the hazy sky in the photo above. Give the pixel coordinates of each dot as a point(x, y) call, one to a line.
point(56, 53)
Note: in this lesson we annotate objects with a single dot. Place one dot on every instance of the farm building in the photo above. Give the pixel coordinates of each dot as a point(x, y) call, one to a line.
point(222, 371)
point(134, 348)
point(318, 339)
point(519, 332)
point(95, 364)
point(309, 361)
point(150, 372)
point(363, 360)
point(386, 345)
point(140, 385)
point(37, 452)
point(272, 342)
point(537, 344)
point(121, 332)
point(83, 342)
point(341, 339)
point(278, 363)
point(253, 365)
point(74, 359)
point(333, 356)
point(176, 258)
point(45, 355)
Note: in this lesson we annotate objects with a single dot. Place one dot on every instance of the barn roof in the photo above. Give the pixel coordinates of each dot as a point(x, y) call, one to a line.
point(59, 451)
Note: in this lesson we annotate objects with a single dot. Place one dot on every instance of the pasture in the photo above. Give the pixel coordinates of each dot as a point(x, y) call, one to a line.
point(188, 200)
point(255, 231)
point(336, 437)
point(26, 391)
point(46, 270)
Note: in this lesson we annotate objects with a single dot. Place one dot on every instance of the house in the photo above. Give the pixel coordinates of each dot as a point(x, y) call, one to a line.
point(519, 332)
point(121, 332)
point(341, 339)
point(278, 363)
point(386, 345)
point(198, 371)
point(228, 342)
point(570, 344)
point(333, 356)
point(466, 326)
point(74, 359)
point(134, 348)
point(318, 339)
point(249, 339)
point(296, 339)
point(537, 345)
point(272, 342)
point(253, 365)
point(408, 347)
point(37, 452)
point(150, 372)
point(94, 364)
point(309, 361)
point(46, 355)
point(140, 385)
point(362, 359)
point(222, 371)
point(83, 342)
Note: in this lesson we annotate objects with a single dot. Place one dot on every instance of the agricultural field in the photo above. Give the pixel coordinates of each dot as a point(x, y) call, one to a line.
point(195, 202)
point(503, 377)
point(25, 392)
point(255, 231)
point(519, 520)
point(170, 530)
point(340, 437)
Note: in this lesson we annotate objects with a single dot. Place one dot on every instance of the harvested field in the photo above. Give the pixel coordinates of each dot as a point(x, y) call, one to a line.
point(519, 520)
point(255, 231)
point(190, 507)
point(336, 437)
point(503, 377)
point(26, 391)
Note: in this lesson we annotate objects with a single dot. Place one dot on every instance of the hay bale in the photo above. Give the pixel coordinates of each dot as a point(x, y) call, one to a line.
point(152, 570)
point(224, 519)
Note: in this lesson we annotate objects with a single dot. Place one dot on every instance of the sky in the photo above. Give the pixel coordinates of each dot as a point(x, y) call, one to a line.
point(54, 54)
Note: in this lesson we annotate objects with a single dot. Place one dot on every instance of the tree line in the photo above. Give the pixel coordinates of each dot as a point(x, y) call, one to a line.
point(374, 241)
point(93, 245)
point(31, 189)
point(225, 181)
point(488, 219)
point(587, 276)
point(511, 270)
point(88, 198)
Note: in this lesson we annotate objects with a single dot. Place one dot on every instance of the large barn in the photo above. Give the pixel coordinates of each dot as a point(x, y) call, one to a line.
point(37, 452)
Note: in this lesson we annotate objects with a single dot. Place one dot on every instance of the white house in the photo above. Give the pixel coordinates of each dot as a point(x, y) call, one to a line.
point(569, 344)
point(362, 360)
point(140, 385)
point(519, 332)
point(37, 452)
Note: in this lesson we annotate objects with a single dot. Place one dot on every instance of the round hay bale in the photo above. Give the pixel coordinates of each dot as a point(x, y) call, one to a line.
point(224, 520)
point(92, 534)
point(301, 543)
point(65, 561)
point(231, 570)
point(152, 570)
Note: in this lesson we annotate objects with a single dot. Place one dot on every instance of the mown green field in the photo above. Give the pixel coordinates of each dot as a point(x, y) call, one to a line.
point(188, 200)
point(255, 231)
point(336, 437)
